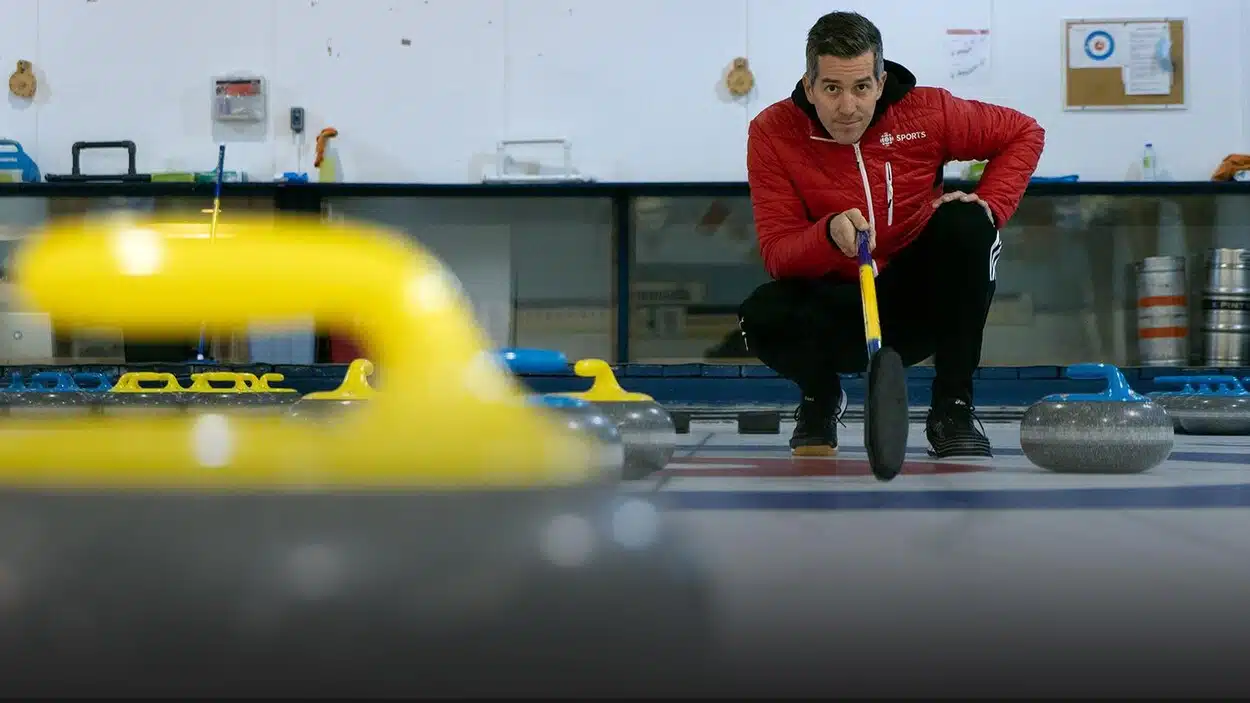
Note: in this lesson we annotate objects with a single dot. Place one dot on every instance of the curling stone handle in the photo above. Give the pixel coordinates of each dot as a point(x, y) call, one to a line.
point(261, 385)
point(1117, 389)
point(57, 381)
point(421, 334)
point(267, 378)
point(605, 387)
point(372, 283)
point(1204, 382)
point(356, 379)
point(1093, 372)
point(131, 381)
point(202, 382)
point(92, 381)
point(355, 384)
point(125, 382)
point(520, 360)
point(16, 385)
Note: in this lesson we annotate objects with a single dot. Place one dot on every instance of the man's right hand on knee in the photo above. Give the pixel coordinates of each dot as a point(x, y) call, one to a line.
point(844, 229)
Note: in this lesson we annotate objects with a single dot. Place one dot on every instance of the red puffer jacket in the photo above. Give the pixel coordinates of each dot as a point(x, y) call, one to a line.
point(800, 178)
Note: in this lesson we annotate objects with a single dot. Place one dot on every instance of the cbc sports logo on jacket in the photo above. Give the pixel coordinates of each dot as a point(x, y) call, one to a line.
point(888, 139)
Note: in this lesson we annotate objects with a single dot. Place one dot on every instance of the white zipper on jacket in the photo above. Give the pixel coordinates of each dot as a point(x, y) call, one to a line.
point(889, 195)
point(863, 175)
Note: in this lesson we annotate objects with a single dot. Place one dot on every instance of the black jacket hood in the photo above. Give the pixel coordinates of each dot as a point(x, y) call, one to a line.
point(898, 83)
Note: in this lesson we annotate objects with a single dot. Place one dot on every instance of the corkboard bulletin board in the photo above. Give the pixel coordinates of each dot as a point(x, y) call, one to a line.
point(1103, 88)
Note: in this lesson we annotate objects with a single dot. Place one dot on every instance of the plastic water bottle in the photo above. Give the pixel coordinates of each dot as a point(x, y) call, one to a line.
point(1149, 163)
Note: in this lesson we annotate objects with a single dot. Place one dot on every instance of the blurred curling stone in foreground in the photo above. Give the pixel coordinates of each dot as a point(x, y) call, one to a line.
point(481, 550)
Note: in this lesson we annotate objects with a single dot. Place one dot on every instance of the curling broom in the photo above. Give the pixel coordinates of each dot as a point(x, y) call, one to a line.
point(886, 417)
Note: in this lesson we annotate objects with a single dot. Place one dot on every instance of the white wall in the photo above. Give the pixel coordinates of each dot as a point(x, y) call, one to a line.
point(1245, 75)
point(422, 90)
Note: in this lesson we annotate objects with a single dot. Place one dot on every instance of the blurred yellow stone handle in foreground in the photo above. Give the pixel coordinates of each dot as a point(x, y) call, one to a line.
point(450, 417)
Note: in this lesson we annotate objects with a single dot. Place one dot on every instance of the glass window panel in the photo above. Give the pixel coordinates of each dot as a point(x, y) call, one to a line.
point(694, 260)
point(1067, 286)
point(540, 271)
point(1067, 280)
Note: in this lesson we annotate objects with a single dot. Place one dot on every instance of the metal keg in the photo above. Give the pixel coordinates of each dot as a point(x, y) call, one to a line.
point(1226, 308)
point(1162, 312)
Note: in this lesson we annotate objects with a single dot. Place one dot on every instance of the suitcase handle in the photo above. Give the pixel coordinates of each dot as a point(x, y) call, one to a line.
point(126, 144)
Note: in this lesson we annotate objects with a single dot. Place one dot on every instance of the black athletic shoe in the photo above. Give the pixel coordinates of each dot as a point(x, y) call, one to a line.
point(953, 430)
point(816, 426)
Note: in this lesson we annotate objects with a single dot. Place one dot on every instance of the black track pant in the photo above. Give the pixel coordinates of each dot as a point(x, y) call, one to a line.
point(933, 300)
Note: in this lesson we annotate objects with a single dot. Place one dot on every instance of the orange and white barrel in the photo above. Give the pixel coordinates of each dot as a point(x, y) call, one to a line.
point(1162, 312)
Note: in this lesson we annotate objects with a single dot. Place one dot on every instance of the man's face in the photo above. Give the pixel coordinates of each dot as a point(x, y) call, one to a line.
point(845, 94)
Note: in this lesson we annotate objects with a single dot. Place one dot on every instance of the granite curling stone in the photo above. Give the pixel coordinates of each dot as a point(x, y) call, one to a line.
point(1206, 405)
point(1117, 431)
point(647, 430)
point(582, 416)
point(52, 393)
point(445, 541)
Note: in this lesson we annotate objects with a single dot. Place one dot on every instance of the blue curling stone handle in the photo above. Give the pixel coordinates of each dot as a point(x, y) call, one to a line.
point(558, 401)
point(92, 382)
point(1118, 390)
point(52, 382)
point(16, 385)
point(1223, 385)
point(534, 360)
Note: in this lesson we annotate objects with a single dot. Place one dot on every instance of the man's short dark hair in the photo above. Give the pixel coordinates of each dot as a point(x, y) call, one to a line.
point(844, 35)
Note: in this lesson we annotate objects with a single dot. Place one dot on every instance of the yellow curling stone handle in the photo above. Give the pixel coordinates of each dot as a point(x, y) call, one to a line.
point(355, 384)
point(202, 382)
point(450, 418)
point(129, 383)
point(262, 383)
point(605, 388)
